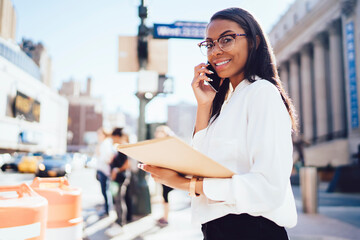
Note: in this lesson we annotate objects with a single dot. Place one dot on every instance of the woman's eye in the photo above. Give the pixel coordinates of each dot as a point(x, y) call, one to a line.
point(209, 45)
point(225, 40)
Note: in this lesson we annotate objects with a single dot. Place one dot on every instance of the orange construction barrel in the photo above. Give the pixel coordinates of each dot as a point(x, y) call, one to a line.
point(23, 213)
point(64, 215)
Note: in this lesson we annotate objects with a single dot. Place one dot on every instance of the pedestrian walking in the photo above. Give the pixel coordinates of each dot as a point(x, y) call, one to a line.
point(120, 173)
point(246, 126)
point(104, 154)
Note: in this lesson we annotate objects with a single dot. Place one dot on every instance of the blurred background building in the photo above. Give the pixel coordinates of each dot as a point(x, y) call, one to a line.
point(85, 116)
point(316, 47)
point(7, 20)
point(32, 115)
point(181, 119)
point(40, 56)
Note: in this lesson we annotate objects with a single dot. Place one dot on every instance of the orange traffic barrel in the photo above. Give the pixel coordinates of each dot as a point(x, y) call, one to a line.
point(23, 213)
point(64, 214)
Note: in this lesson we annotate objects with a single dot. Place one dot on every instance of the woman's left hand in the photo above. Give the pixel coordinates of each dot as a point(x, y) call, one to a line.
point(166, 177)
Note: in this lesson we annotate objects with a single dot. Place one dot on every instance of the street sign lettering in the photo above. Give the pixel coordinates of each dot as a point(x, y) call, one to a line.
point(190, 30)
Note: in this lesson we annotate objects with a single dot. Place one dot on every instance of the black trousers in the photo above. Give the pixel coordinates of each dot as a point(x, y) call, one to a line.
point(243, 227)
point(166, 191)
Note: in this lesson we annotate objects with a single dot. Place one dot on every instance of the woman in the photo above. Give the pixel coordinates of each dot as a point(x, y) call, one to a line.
point(104, 154)
point(245, 126)
point(120, 173)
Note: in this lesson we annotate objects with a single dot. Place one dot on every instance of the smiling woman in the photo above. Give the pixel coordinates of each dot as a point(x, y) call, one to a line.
point(245, 126)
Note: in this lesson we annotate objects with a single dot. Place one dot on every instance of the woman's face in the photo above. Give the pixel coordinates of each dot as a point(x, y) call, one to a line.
point(228, 64)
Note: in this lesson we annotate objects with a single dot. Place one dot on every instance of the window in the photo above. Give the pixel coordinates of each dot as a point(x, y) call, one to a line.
point(296, 19)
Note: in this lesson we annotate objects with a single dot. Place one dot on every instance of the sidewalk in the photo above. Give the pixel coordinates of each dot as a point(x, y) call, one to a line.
point(146, 228)
point(338, 219)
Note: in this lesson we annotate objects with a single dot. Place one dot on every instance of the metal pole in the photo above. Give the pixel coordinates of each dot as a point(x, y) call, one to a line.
point(142, 56)
point(142, 125)
point(141, 194)
point(309, 189)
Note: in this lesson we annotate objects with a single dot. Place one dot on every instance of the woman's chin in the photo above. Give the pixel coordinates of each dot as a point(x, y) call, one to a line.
point(222, 75)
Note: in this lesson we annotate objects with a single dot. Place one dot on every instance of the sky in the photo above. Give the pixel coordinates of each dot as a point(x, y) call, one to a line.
point(81, 37)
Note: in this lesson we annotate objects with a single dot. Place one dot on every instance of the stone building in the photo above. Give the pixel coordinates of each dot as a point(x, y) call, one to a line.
point(85, 116)
point(7, 20)
point(181, 119)
point(316, 44)
point(33, 117)
point(40, 56)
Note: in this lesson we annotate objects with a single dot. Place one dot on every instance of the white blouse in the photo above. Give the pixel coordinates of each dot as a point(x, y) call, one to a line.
point(251, 137)
point(104, 155)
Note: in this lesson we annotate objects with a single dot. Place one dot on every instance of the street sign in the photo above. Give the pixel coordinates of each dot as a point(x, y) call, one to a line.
point(189, 30)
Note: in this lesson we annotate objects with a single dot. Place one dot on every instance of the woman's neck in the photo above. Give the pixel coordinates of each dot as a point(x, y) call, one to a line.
point(236, 80)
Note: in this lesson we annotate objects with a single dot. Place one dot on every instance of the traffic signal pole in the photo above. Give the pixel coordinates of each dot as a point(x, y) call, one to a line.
point(141, 194)
point(142, 48)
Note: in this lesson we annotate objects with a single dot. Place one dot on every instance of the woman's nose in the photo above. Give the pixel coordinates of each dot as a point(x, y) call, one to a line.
point(216, 50)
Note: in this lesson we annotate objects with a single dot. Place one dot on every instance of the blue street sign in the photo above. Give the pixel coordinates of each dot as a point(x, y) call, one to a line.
point(190, 30)
point(350, 49)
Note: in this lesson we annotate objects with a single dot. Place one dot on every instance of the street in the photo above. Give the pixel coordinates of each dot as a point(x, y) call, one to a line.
point(338, 217)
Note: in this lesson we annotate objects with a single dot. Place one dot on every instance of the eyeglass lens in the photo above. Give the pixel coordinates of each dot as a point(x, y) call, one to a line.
point(225, 43)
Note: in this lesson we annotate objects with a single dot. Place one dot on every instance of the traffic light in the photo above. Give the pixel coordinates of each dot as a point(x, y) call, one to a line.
point(142, 37)
point(143, 45)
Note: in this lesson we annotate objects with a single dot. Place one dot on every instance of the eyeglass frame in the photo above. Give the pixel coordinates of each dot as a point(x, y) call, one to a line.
point(217, 40)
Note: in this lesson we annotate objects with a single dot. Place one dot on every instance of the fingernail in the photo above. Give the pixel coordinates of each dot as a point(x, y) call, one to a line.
point(211, 72)
point(210, 80)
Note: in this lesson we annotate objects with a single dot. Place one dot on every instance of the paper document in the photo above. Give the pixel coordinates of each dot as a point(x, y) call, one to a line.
point(173, 153)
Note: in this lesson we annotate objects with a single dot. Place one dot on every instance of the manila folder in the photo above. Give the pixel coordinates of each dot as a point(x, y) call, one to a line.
point(173, 153)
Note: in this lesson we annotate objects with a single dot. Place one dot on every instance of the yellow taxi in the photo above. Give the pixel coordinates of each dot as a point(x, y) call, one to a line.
point(28, 164)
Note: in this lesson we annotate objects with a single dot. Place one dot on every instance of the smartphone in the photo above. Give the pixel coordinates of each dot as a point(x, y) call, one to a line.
point(215, 83)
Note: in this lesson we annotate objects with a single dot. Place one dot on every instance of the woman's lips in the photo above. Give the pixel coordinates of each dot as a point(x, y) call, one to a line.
point(221, 64)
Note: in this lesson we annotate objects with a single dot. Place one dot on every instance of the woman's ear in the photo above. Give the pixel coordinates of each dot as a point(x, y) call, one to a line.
point(257, 41)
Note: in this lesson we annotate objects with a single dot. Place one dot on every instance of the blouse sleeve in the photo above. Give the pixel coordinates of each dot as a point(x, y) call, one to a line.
point(269, 148)
point(198, 138)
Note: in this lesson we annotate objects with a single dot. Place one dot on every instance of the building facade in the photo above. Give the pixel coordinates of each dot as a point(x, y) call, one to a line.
point(316, 44)
point(181, 119)
point(33, 117)
point(85, 116)
point(39, 55)
point(7, 20)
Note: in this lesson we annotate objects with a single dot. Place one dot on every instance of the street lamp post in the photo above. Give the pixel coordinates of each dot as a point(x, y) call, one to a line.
point(143, 59)
point(141, 196)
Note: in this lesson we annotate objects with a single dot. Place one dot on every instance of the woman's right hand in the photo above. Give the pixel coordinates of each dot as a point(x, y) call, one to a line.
point(204, 94)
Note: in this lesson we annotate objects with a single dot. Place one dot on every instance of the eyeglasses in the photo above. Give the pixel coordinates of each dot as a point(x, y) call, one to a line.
point(226, 43)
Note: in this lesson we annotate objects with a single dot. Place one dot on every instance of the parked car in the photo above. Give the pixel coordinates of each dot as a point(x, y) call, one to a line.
point(54, 166)
point(12, 163)
point(28, 164)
